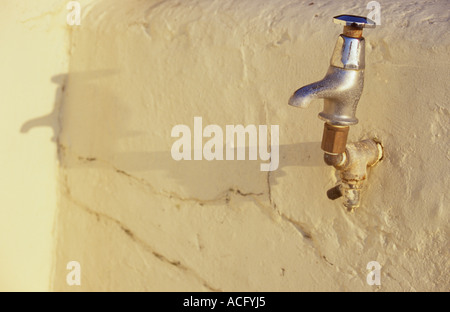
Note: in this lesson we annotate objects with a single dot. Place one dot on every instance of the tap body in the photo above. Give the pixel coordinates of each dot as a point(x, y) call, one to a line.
point(342, 85)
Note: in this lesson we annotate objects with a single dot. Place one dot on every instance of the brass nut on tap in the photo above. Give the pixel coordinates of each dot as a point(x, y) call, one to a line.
point(334, 138)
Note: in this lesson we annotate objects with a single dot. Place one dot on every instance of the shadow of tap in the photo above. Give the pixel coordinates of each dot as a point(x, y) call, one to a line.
point(290, 155)
point(99, 127)
point(51, 119)
point(61, 80)
point(228, 172)
point(201, 179)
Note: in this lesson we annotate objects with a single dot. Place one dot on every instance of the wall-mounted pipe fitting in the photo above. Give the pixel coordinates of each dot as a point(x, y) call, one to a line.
point(352, 166)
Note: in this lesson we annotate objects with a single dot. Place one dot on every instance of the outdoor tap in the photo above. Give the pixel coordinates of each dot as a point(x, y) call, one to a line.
point(341, 89)
point(342, 85)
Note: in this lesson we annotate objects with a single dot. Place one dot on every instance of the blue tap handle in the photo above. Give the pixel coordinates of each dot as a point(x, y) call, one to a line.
point(354, 21)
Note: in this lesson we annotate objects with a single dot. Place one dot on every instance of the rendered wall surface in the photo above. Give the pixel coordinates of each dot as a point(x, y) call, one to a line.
point(135, 219)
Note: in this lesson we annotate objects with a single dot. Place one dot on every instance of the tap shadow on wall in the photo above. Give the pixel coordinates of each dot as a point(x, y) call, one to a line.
point(194, 176)
point(290, 155)
point(98, 146)
point(52, 119)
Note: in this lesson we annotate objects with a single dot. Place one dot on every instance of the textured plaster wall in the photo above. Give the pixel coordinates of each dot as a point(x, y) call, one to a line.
point(33, 54)
point(136, 219)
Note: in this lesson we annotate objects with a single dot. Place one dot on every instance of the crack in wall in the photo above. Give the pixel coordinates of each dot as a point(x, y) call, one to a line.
point(55, 12)
point(307, 235)
point(222, 197)
point(269, 191)
point(59, 105)
point(144, 245)
point(301, 228)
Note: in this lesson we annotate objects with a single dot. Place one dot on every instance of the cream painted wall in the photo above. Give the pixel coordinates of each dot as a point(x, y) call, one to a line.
point(136, 219)
point(33, 52)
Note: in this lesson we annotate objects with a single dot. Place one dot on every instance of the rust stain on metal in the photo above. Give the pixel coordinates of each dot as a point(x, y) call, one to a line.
point(352, 31)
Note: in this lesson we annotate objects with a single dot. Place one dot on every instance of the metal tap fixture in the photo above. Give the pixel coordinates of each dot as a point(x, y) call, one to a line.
point(341, 89)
